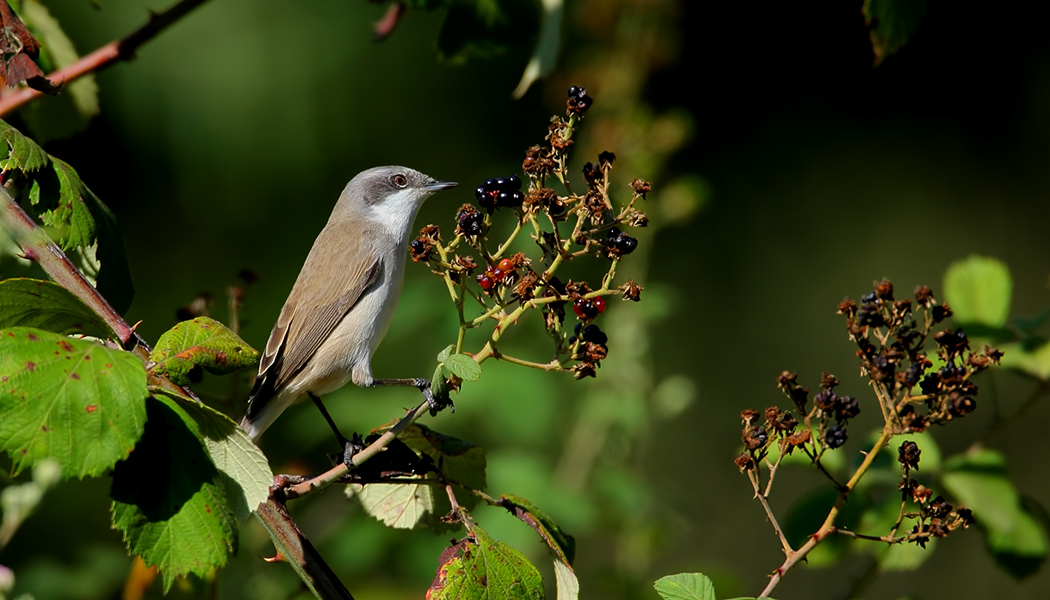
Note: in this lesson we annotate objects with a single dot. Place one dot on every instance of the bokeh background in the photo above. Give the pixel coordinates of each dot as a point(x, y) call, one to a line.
point(788, 173)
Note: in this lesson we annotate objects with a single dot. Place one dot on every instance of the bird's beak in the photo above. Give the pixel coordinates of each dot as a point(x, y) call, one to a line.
point(440, 185)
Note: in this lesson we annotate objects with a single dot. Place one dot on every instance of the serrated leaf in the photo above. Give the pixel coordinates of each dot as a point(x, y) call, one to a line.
point(464, 366)
point(400, 505)
point(74, 400)
point(891, 23)
point(979, 289)
point(169, 500)
point(25, 154)
point(80, 219)
point(479, 567)
point(48, 306)
point(202, 341)
point(562, 544)
point(243, 468)
point(685, 586)
point(980, 482)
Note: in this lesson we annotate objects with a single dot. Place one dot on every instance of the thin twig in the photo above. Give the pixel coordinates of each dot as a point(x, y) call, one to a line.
point(118, 50)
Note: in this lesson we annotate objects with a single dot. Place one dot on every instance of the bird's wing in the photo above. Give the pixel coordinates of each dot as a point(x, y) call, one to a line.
point(329, 285)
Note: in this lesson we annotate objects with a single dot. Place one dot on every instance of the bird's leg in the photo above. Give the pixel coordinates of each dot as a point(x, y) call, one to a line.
point(349, 447)
point(423, 385)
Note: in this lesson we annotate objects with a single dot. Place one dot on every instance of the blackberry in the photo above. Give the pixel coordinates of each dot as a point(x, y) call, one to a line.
point(585, 309)
point(470, 221)
point(514, 182)
point(619, 243)
point(593, 334)
point(579, 101)
point(835, 436)
point(500, 191)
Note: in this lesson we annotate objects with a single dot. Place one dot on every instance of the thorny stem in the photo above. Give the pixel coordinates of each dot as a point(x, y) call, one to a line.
point(332, 475)
point(753, 476)
point(551, 366)
point(118, 50)
point(828, 527)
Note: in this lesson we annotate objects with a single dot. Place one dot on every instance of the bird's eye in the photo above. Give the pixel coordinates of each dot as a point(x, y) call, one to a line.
point(399, 180)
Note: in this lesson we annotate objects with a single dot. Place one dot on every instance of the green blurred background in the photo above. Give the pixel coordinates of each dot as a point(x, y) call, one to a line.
point(788, 173)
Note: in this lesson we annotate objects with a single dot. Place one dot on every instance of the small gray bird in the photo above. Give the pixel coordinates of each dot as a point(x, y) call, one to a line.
point(341, 305)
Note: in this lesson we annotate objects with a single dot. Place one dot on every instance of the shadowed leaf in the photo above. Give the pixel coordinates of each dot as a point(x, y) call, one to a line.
point(48, 306)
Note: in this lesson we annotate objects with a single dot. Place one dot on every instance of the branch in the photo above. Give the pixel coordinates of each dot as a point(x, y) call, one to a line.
point(828, 527)
point(118, 50)
point(335, 473)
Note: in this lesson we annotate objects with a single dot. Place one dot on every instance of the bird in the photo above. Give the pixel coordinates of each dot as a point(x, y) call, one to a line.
point(343, 300)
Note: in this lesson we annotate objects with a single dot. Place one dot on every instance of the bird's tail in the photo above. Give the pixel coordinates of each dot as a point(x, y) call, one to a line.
point(264, 406)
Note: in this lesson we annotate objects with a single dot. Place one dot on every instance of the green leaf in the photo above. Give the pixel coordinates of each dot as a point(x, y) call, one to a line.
point(202, 341)
point(79, 218)
point(1031, 357)
point(444, 354)
point(400, 505)
point(685, 586)
point(25, 155)
point(464, 366)
point(479, 567)
point(562, 544)
point(169, 500)
point(980, 482)
point(978, 290)
point(891, 23)
point(74, 400)
point(48, 306)
point(456, 459)
point(243, 468)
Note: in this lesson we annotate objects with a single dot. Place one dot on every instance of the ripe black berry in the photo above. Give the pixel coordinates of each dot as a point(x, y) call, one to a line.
point(514, 182)
point(594, 334)
point(585, 309)
point(835, 436)
point(470, 223)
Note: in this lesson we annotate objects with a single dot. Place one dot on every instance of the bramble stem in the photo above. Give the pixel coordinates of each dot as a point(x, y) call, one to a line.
point(118, 50)
point(828, 527)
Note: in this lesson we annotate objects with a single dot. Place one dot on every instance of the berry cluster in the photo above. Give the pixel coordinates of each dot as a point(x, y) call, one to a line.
point(496, 274)
point(469, 221)
point(500, 192)
point(588, 308)
point(591, 345)
point(618, 243)
point(579, 101)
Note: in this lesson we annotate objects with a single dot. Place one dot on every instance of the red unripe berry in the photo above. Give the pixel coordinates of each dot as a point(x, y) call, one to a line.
point(578, 307)
point(485, 282)
point(599, 303)
point(506, 265)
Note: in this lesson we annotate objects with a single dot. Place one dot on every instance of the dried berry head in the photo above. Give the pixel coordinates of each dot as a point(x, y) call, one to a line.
point(641, 187)
point(923, 295)
point(884, 290)
point(908, 455)
point(835, 436)
point(847, 307)
point(631, 291)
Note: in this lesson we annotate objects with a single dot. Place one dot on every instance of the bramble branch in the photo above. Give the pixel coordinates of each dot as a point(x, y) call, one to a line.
point(118, 50)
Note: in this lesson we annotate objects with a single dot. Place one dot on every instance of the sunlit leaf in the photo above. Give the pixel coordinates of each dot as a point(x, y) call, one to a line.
point(685, 586)
point(483, 568)
point(73, 400)
point(464, 366)
point(397, 505)
point(202, 341)
point(979, 289)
